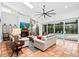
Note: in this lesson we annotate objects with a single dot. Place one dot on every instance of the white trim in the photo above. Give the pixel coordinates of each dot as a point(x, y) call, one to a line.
point(64, 27)
point(54, 28)
point(47, 28)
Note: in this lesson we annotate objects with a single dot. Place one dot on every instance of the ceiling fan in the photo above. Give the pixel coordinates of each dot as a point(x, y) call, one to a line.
point(46, 13)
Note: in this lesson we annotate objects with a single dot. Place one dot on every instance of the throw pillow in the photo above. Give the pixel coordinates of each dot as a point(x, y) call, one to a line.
point(39, 37)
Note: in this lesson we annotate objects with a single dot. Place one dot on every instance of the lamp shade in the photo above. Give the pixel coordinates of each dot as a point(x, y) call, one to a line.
point(16, 31)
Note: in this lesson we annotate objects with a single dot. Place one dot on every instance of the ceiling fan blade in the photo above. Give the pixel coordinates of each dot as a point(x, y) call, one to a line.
point(49, 11)
point(40, 15)
point(48, 15)
point(44, 16)
point(52, 13)
point(38, 12)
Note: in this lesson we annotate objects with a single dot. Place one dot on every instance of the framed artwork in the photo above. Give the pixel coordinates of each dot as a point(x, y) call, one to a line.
point(24, 25)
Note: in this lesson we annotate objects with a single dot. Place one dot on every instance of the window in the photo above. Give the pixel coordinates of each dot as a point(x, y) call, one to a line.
point(50, 28)
point(44, 27)
point(71, 27)
point(59, 28)
point(37, 30)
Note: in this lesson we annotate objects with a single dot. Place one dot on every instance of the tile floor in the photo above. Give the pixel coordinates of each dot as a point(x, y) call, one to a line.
point(66, 49)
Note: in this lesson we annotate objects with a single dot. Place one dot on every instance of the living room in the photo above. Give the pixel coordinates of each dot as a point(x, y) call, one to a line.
point(39, 29)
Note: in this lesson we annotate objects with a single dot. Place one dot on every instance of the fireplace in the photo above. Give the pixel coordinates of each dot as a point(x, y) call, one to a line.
point(24, 33)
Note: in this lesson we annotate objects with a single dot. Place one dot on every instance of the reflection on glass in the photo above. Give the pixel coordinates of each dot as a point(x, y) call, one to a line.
point(44, 29)
point(37, 30)
point(50, 28)
point(59, 28)
point(71, 27)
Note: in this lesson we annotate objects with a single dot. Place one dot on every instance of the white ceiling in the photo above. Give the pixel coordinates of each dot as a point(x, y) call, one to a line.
point(61, 11)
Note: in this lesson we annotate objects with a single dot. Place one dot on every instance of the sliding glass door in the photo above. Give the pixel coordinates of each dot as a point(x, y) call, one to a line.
point(59, 28)
point(71, 27)
point(47, 28)
point(50, 28)
point(44, 29)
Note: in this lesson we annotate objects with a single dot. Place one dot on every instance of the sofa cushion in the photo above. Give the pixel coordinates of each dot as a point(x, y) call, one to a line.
point(49, 36)
point(44, 38)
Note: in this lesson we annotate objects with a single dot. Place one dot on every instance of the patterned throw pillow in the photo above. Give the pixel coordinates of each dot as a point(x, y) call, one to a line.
point(39, 37)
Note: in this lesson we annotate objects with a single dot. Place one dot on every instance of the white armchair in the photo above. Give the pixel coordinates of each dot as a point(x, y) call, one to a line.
point(17, 32)
point(48, 41)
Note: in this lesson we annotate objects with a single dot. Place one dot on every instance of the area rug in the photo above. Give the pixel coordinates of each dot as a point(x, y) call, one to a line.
point(32, 48)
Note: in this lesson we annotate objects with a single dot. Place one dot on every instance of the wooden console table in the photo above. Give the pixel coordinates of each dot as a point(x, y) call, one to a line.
point(5, 36)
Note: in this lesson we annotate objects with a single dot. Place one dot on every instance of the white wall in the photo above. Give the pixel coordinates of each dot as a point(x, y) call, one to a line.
point(9, 18)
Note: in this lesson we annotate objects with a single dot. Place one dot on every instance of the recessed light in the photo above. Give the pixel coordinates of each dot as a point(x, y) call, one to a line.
point(66, 6)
